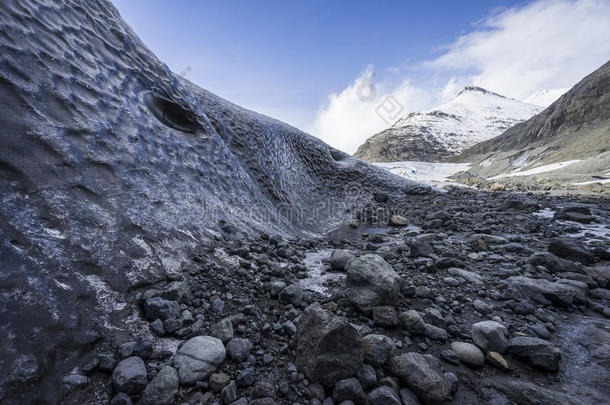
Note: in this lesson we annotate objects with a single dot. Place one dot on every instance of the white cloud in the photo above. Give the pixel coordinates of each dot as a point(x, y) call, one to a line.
point(545, 45)
point(364, 108)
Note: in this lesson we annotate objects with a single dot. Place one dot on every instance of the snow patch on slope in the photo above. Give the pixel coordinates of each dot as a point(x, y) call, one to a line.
point(545, 98)
point(536, 170)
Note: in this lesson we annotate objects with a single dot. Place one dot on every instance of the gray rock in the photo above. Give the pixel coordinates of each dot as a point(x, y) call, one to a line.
point(107, 362)
point(436, 333)
point(328, 348)
point(157, 327)
point(90, 364)
point(162, 389)
point(450, 356)
point(490, 336)
point(198, 358)
point(469, 276)
point(159, 308)
point(245, 378)
point(217, 305)
point(339, 259)
point(371, 281)
point(384, 396)
point(571, 249)
point(222, 330)
point(218, 381)
point(576, 217)
point(126, 349)
point(377, 349)
point(398, 220)
point(172, 324)
point(540, 330)
point(289, 328)
point(143, 348)
point(421, 249)
point(561, 293)
point(601, 275)
point(577, 207)
point(434, 316)
point(540, 353)
point(76, 380)
point(408, 397)
point(553, 263)
point(239, 349)
point(482, 307)
point(121, 399)
point(385, 316)
point(229, 393)
point(468, 354)
point(413, 322)
point(367, 376)
point(291, 295)
point(276, 287)
point(497, 360)
point(454, 383)
point(349, 390)
point(177, 291)
point(130, 376)
point(422, 375)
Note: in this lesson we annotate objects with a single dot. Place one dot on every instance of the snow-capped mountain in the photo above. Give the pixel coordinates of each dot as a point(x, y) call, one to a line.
point(474, 115)
point(545, 98)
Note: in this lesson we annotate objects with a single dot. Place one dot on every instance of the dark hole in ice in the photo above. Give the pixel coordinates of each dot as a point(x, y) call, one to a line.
point(337, 154)
point(171, 113)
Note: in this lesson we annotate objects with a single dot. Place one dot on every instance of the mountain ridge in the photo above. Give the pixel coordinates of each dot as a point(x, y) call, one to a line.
point(474, 115)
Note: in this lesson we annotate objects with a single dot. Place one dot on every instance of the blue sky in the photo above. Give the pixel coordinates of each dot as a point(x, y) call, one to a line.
point(288, 59)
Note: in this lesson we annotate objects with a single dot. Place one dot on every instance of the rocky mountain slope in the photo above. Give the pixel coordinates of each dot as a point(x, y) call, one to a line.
point(160, 245)
point(473, 116)
point(575, 128)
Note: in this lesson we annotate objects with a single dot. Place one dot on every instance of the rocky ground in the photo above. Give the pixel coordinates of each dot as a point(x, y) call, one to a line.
point(464, 297)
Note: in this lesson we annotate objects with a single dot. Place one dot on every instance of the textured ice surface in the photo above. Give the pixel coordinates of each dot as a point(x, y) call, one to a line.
point(113, 169)
point(425, 172)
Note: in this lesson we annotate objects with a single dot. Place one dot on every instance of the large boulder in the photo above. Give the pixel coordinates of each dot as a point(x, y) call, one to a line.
point(422, 374)
point(371, 282)
point(553, 263)
point(130, 375)
point(490, 336)
point(539, 352)
point(339, 259)
point(198, 358)
point(328, 348)
point(162, 389)
point(571, 249)
point(562, 293)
